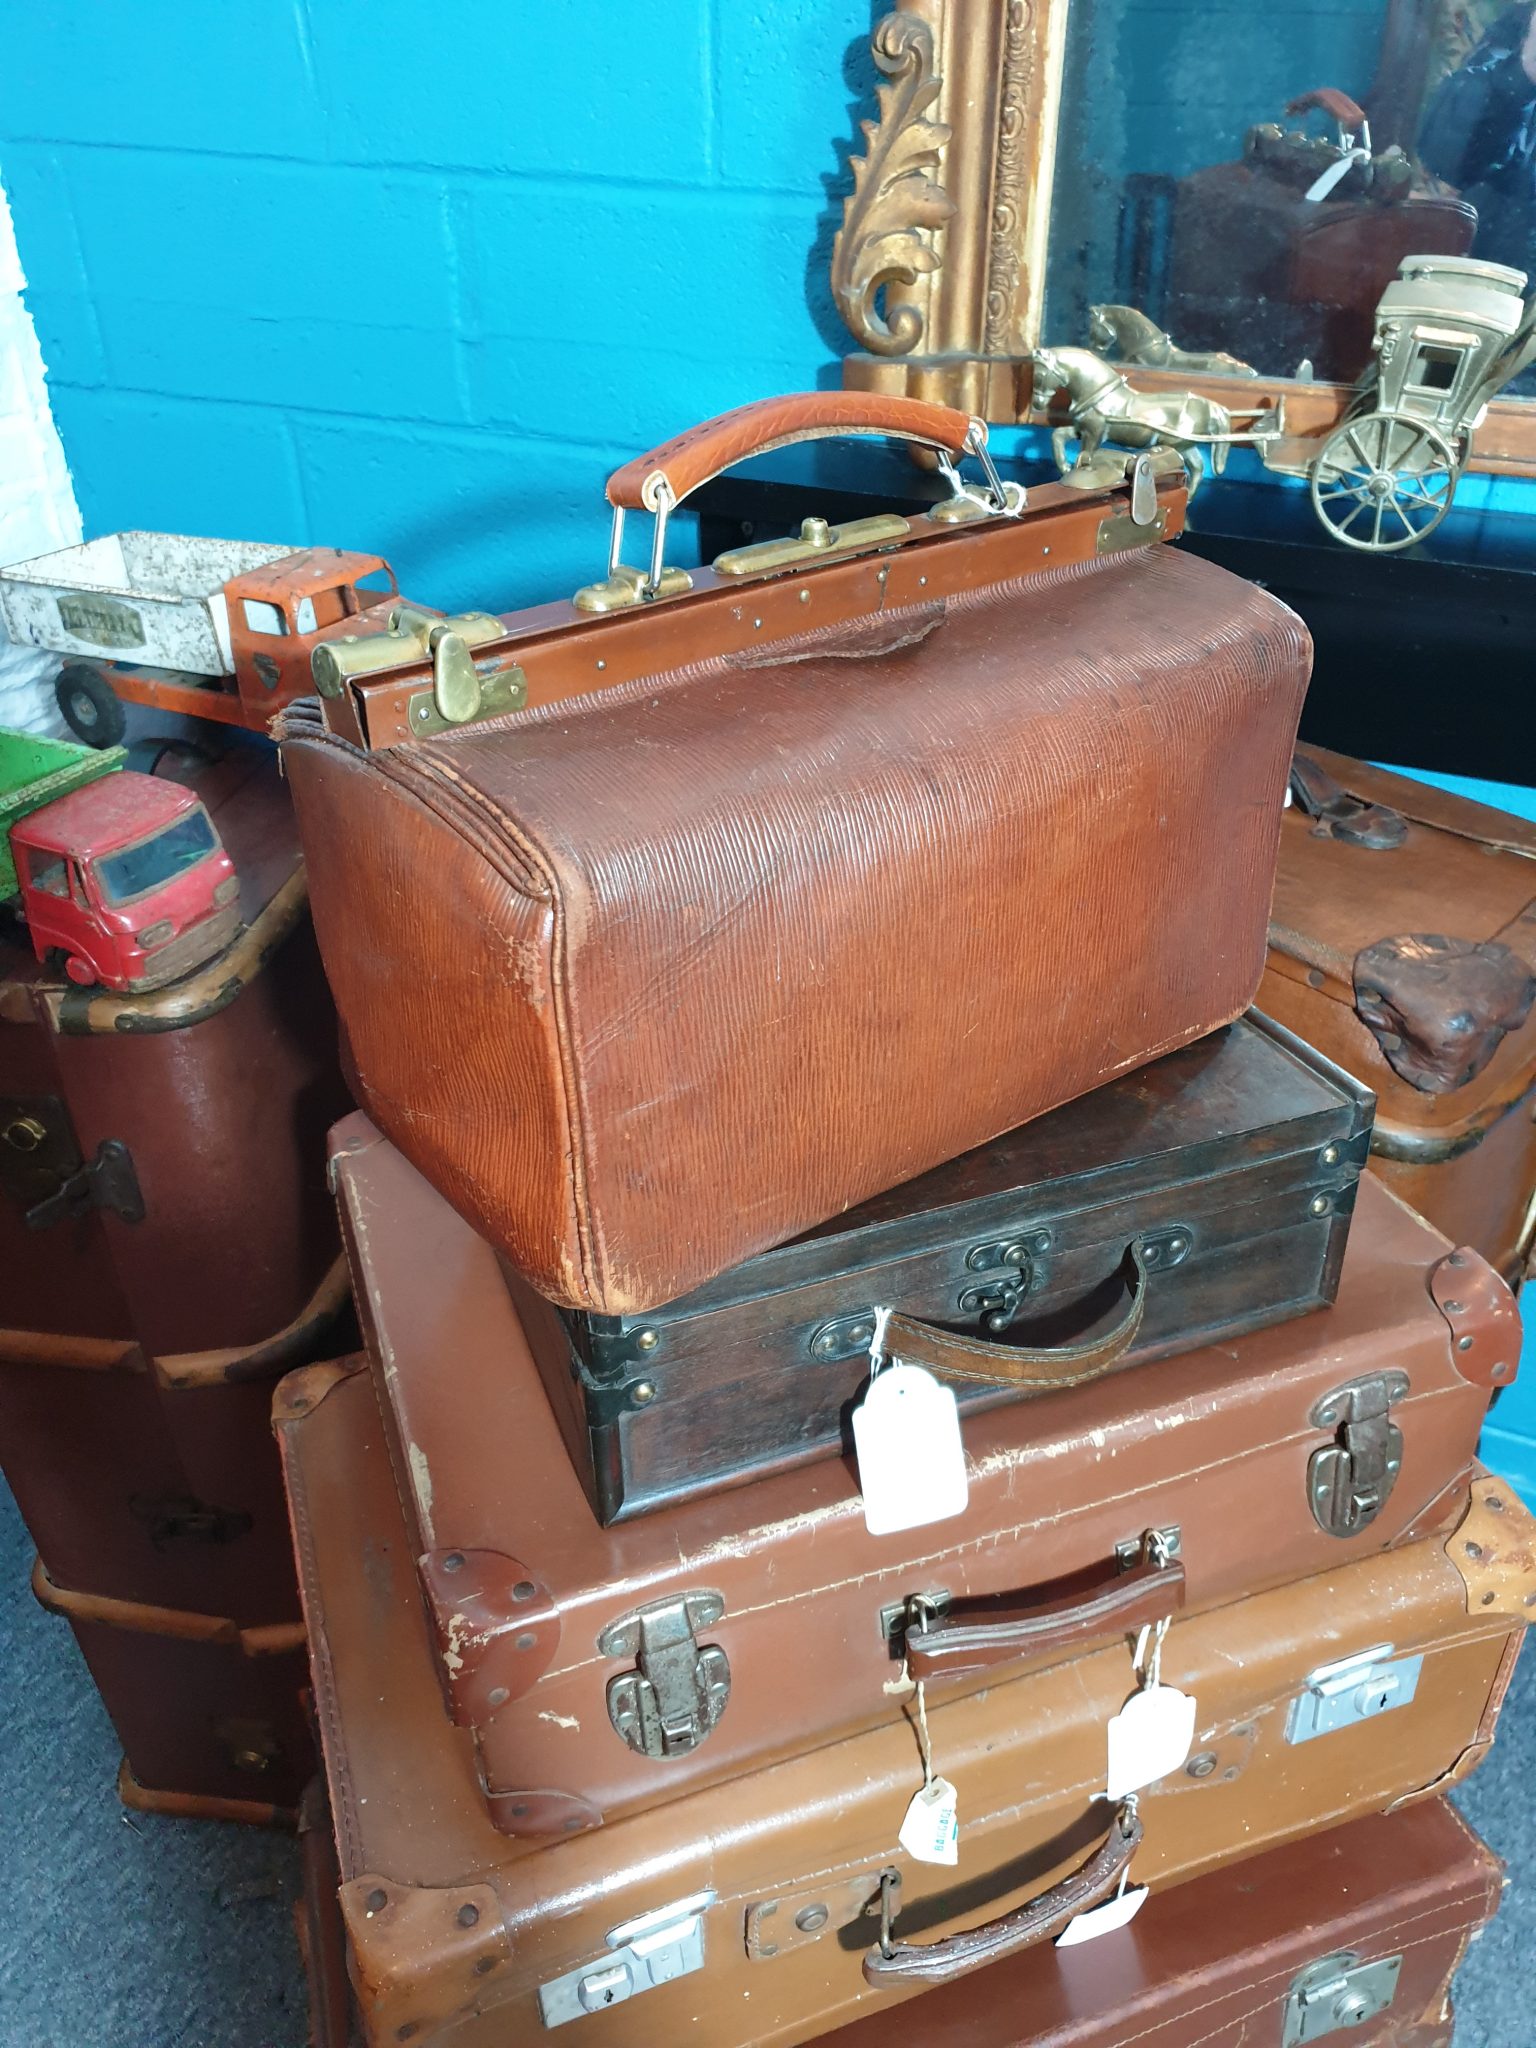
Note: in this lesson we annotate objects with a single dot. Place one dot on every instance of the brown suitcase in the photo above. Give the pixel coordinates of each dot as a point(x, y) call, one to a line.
point(1355, 1935)
point(1403, 946)
point(144, 1330)
point(657, 977)
point(756, 1918)
point(1205, 1195)
point(208, 1714)
point(1273, 1456)
point(1359, 1931)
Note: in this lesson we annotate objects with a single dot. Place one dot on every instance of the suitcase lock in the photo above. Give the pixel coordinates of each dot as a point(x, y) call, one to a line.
point(1342, 1991)
point(1349, 1481)
point(678, 1690)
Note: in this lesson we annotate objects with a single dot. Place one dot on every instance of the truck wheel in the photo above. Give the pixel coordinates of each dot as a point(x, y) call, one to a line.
point(92, 709)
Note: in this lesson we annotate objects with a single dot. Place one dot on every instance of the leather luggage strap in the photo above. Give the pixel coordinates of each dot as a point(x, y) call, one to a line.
point(939, 1962)
point(961, 1357)
point(690, 459)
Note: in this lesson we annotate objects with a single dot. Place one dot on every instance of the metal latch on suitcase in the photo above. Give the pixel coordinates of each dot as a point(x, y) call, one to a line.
point(1339, 1992)
point(41, 1167)
point(1349, 1480)
point(653, 1950)
point(1352, 1689)
point(676, 1694)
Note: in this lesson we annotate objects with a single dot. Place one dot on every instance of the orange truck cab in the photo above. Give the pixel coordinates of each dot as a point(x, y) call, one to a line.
point(278, 616)
point(128, 879)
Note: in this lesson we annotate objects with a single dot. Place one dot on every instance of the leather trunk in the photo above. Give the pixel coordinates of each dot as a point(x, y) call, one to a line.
point(754, 1919)
point(1374, 1916)
point(209, 1715)
point(140, 1348)
point(546, 1627)
point(1228, 1168)
point(1404, 947)
point(696, 961)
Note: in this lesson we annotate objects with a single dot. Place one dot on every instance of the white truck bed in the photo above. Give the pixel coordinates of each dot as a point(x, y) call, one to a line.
point(156, 599)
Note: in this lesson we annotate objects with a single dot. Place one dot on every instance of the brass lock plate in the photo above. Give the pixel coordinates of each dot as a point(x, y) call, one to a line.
point(1120, 531)
point(815, 542)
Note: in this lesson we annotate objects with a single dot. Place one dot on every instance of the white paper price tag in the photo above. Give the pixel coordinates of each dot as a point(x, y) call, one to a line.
point(1149, 1737)
point(931, 1830)
point(1119, 1911)
point(906, 1434)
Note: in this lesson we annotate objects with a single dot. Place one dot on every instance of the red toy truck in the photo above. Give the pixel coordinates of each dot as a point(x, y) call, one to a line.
point(124, 876)
point(218, 629)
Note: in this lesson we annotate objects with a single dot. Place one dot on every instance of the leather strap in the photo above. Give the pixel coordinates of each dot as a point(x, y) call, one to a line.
point(692, 458)
point(961, 1357)
point(939, 1962)
point(1129, 1599)
point(1314, 791)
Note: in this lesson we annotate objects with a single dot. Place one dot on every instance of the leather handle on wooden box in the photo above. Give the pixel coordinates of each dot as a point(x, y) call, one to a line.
point(1042, 1369)
point(690, 459)
point(1128, 1599)
point(939, 1962)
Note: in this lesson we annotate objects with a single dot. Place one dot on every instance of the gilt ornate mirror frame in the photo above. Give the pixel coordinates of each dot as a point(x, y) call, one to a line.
point(938, 269)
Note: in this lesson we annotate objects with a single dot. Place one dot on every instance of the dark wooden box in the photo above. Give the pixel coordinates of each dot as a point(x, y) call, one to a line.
point(1232, 1163)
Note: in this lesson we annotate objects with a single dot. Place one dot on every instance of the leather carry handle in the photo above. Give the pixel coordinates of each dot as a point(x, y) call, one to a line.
point(1128, 1599)
point(1347, 112)
point(959, 1357)
point(664, 476)
point(940, 1962)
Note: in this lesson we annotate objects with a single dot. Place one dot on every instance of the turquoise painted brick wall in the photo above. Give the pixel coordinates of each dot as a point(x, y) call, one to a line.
point(415, 278)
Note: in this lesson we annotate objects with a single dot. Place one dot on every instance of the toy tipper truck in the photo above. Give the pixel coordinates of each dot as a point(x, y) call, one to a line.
point(121, 876)
point(219, 629)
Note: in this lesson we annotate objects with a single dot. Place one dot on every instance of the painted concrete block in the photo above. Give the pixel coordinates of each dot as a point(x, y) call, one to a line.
point(793, 78)
point(233, 76)
point(560, 87)
point(184, 466)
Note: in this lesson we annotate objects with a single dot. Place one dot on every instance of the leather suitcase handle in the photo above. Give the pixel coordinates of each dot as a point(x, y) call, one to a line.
point(692, 458)
point(1318, 795)
point(1127, 1600)
point(959, 1357)
point(940, 1962)
point(1347, 112)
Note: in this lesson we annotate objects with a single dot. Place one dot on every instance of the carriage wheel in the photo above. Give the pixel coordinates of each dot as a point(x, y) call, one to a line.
point(1385, 481)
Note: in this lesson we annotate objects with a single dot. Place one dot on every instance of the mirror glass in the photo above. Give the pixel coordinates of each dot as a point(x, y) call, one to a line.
point(1248, 179)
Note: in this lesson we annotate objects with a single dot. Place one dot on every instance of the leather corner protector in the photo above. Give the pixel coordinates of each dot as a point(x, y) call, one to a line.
point(777, 1926)
point(1481, 1315)
point(497, 1629)
point(298, 1392)
point(422, 1956)
point(1217, 1760)
point(1494, 1550)
point(540, 1813)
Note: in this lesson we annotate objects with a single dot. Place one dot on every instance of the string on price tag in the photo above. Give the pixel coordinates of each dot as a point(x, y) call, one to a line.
point(931, 1829)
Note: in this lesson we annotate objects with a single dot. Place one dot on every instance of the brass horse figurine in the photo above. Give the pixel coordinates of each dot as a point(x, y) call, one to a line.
point(1129, 336)
point(1102, 406)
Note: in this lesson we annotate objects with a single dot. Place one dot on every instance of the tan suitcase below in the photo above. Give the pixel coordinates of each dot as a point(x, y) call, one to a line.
point(749, 1914)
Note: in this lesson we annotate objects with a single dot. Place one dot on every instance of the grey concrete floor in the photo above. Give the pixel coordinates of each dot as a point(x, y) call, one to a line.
point(143, 1933)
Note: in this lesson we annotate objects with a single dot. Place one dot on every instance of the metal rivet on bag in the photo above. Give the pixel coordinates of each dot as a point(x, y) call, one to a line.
point(454, 1561)
point(1201, 1766)
point(1489, 1598)
point(643, 1392)
point(409, 2031)
point(377, 1901)
point(1474, 1550)
point(468, 1916)
point(1315, 975)
point(524, 1590)
point(1493, 1500)
point(1330, 1155)
point(646, 1340)
point(811, 1919)
point(498, 1696)
point(1319, 1205)
point(484, 1965)
point(1455, 1308)
point(519, 1809)
point(1464, 1343)
point(526, 1641)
